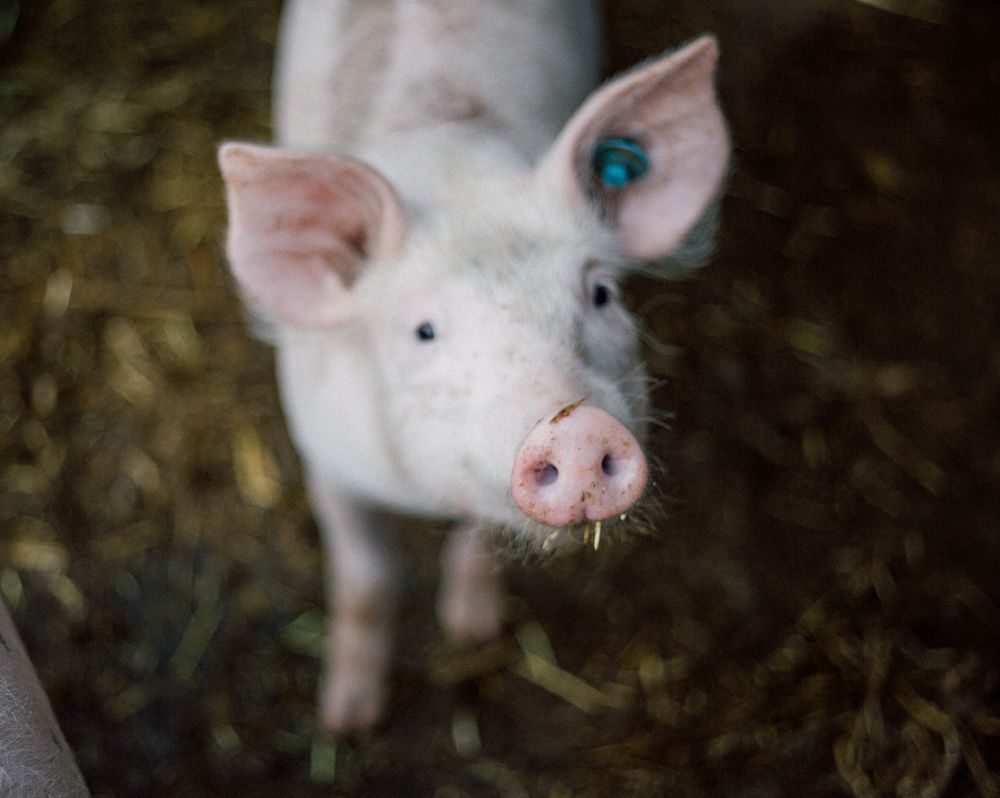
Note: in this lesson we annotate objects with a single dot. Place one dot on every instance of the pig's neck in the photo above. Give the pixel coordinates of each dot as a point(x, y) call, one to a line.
point(517, 69)
point(428, 163)
point(428, 90)
point(430, 130)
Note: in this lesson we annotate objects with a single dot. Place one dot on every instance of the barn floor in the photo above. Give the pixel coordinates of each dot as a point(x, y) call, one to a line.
point(817, 613)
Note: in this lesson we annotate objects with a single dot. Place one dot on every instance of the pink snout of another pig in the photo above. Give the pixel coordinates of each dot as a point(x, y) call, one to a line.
point(582, 464)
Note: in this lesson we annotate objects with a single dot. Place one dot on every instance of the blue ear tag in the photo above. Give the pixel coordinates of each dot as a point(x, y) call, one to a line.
point(619, 162)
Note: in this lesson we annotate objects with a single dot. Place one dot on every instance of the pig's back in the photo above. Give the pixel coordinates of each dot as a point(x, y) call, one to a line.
point(352, 72)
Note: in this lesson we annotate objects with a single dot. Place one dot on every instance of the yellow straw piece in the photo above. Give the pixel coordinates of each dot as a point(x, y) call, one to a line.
point(548, 540)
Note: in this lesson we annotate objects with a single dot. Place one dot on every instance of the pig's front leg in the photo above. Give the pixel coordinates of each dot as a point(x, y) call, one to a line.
point(361, 606)
point(469, 604)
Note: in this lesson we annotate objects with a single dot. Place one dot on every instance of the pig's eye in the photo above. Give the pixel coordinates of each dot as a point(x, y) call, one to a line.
point(600, 295)
point(425, 332)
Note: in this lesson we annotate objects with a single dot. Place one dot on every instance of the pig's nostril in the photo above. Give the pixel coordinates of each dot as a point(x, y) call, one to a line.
point(609, 466)
point(546, 475)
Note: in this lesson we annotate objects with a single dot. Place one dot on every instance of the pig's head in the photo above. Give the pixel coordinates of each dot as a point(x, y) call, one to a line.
point(509, 380)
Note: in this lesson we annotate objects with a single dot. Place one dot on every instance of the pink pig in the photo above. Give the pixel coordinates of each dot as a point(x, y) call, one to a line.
point(436, 250)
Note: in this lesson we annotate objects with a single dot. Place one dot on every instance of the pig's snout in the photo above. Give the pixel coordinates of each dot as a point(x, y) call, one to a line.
point(581, 464)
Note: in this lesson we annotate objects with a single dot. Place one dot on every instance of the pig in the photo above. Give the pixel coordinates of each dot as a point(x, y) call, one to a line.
point(35, 760)
point(435, 244)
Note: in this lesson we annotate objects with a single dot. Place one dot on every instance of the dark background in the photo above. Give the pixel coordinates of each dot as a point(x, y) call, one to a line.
point(815, 615)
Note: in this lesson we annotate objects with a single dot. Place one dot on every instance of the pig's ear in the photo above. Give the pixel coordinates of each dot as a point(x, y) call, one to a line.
point(659, 132)
point(301, 228)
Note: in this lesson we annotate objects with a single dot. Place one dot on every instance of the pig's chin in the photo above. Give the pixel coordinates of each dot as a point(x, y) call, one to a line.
point(509, 522)
point(523, 536)
point(495, 509)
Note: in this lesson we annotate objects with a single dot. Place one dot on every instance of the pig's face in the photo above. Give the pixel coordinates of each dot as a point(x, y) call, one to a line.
point(491, 310)
point(496, 314)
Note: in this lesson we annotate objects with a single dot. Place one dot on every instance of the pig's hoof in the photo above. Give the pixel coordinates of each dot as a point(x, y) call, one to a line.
point(471, 615)
point(351, 703)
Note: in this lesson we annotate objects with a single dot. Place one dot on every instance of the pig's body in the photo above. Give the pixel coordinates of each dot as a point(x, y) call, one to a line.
point(449, 340)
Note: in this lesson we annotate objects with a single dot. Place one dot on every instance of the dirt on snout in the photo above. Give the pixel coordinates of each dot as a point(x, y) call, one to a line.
point(566, 411)
point(817, 613)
